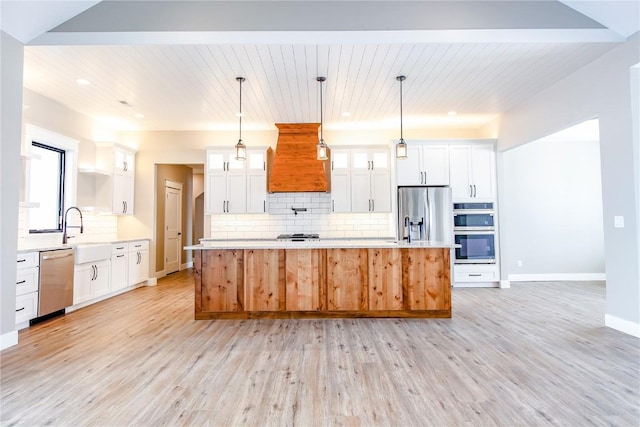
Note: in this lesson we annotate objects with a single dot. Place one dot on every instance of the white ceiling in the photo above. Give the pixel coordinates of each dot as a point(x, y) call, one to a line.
point(183, 80)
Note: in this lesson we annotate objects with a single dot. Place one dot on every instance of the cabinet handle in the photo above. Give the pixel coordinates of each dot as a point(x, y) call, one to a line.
point(21, 282)
point(64, 255)
point(22, 260)
point(264, 206)
point(475, 274)
point(96, 267)
point(119, 256)
point(19, 309)
point(331, 164)
point(120, 248)
point(475, 192)
point(470, 191)
point(139, 257)
point(333, 206)
point(373, 205)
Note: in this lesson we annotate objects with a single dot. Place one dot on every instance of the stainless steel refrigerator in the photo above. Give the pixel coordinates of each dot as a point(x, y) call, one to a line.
point(425, 213)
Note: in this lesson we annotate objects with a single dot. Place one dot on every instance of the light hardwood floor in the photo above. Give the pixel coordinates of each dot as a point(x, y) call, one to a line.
point(535, 354)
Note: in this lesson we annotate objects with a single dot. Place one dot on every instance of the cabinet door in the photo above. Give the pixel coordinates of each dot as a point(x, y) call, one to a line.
point(340, 192)
point(237, 192)
point(26, 307)
point(101, 282)
point(409, 170)
point(460, 172)
point(123, 194)
point(483, 172)
point(256, 181)
point(435, 164)
point(138, 267)
point(360, 191)
point(123, 161)
point(216, 193)
point(381, 191)
point(82, 278)
point(119, 270)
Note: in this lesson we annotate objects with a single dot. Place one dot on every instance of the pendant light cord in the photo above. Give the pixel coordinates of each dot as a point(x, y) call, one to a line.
point(240, 79)
point(401, 79)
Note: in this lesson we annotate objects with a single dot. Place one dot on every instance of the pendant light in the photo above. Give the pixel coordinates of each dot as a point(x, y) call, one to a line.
point(241, 149)
point(321, 148)
point(401, 146)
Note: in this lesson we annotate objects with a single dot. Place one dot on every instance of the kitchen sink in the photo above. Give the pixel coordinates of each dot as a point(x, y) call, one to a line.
point(91, 252)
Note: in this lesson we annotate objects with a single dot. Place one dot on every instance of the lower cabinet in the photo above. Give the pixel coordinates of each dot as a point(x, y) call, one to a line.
point(138, 262)
point(322, 282)
point(27, 286)
point(119, 266)
point(476, 273)
point(91, 280)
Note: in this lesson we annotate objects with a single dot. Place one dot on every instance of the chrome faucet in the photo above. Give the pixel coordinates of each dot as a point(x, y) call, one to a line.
point(65, 226)
point(407, 227)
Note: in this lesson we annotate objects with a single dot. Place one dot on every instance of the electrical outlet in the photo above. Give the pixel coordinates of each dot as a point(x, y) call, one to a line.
point(519, 262)
point(618, 221)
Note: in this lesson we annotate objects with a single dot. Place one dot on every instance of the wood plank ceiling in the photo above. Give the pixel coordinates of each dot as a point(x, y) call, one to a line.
point(193, 87)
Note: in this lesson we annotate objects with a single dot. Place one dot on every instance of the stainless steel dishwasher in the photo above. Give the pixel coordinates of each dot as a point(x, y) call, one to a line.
point(56, 281)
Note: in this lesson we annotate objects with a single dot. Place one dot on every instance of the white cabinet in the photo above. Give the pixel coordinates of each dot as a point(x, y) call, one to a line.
point(91, 280)
point(109, 184)
point(256, 181)
point(340, 180)
point(473, 172)
point(138, 262)
point(226, 183)
point(476, 273)
point(235, 186)
point(426, 164)
point(27, 286)
point(370, 180)
point(119, 266)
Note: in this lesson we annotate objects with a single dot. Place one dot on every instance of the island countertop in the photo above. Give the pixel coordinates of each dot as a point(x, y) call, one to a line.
point(315, 244)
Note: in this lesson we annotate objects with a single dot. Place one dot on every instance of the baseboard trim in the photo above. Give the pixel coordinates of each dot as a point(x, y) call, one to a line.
point(152, 281)
point(475, 284)
point(505, 284)
point(556, 277)
point(8, 340)
point(186, 265)
point(622, 325)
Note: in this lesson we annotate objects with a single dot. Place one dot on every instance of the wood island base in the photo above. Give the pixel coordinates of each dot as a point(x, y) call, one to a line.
point(322, 283)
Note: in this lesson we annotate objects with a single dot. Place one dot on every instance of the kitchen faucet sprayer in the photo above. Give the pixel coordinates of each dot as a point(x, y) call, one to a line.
point(65, 226)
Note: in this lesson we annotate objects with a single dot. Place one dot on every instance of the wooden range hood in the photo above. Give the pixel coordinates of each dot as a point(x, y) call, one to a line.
point(293, 167)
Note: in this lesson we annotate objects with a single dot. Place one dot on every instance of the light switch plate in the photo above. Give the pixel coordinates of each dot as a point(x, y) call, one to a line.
point(618, 221)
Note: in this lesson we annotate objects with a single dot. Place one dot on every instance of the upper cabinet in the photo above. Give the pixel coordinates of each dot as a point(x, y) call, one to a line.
point(426, 164)
point(473, 171)
point(361, 179)
point(340, 180)
point(108, 185)
point(235, 186)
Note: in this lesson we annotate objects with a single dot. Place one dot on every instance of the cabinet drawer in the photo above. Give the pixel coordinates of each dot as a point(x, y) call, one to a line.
point(26, 307)
point(476, 276)
point(119, 248)
point(27, 280)
point(28, 260)
point(142, 245)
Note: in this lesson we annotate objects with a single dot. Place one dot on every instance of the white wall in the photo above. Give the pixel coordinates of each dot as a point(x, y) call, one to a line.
point(603, 90)
point(11, 106)
point(552, 211)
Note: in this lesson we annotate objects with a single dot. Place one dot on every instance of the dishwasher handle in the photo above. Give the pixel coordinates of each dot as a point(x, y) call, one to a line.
point(57, 256)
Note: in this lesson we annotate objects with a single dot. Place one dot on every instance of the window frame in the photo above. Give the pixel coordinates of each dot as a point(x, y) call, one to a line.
point(61, 186)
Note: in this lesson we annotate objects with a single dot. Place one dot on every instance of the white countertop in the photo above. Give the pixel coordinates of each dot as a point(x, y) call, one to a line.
point(314, 244)
point(40, 247)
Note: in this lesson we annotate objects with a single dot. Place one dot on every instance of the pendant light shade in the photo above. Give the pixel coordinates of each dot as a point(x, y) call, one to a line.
point(321, 148)
point(241, 149)
point(401, 146)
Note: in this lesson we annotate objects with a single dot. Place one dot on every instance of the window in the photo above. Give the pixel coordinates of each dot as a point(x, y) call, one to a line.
point(47, 186)
point(50, 178)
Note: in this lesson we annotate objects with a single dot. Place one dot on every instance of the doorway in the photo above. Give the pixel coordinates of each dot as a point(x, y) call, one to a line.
point(172, 226)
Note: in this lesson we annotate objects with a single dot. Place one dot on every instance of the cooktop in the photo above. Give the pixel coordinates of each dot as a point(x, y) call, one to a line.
point(298, 237)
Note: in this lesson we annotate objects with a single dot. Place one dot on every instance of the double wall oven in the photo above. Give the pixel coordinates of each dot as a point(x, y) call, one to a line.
point(474, 230)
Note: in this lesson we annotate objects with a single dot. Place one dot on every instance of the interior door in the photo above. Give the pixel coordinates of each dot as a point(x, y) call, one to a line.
point(172, 226)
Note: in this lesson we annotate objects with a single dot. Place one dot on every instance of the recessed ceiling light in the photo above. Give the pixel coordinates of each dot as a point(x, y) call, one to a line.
point(452, 113)
point(346, 114)
point(139, 115)
point(83, 82)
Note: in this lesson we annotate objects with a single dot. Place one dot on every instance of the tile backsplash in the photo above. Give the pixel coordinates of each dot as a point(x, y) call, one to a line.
point(97, 228)
point(318, 218)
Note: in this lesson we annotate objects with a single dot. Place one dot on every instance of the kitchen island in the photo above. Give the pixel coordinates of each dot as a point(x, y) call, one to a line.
point(323, 278)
